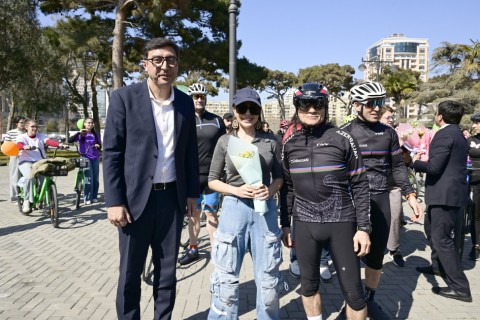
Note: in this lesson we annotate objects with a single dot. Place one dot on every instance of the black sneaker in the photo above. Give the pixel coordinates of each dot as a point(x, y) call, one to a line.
point(397, 258)
point(474, 253)
point(188, 257)
point(374, 311)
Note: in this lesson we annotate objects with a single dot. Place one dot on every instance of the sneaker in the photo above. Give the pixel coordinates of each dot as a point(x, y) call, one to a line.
point(374, 311)
point(295, 269)
point(188, 257)
point(474, 253)
point(94, 200)
point(88, 201)
point(397, 258)
point(26, 206)
point(325, 274)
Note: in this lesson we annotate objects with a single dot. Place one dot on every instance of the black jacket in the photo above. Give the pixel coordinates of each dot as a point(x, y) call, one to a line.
point(381, 154)
point(325, 176)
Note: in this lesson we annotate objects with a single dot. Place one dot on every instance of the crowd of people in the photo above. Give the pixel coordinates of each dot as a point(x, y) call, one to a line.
point(165, 156)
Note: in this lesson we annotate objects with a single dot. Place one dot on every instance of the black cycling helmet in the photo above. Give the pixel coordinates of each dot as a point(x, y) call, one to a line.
point(475, 117)
point(311, 91)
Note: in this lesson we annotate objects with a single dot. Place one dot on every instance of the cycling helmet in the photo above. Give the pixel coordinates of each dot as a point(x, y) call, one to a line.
point(310, 91)
point(475, 117)
point(367, 90)
point(196, 88)
point(284, 124)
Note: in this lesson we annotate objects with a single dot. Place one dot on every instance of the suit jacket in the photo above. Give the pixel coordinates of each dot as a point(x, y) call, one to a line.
point(446, 182)
point(130, 149)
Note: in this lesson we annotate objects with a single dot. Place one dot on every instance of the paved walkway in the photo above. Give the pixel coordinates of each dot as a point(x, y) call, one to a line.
point(71, 272)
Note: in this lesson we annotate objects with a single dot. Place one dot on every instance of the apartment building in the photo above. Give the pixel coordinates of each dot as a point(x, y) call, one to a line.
point(400, 51)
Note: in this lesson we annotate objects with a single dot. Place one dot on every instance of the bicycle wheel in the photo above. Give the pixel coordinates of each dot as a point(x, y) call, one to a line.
point(53, 204)
point(79, 189)
point(185, 237)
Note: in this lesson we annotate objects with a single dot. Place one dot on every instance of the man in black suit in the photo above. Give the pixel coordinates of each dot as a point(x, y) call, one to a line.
point(150, 164)
point(446, 195)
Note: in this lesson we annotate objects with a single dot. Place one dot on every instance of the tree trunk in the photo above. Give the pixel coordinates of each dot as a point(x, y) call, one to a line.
point(11, 114)
point(119, 42)
point(95, 117)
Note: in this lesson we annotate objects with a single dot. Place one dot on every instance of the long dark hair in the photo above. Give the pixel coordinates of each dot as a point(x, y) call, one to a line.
point(94, 132)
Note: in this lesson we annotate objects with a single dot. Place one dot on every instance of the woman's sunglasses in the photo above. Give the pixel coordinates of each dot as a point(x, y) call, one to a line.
point(242, 108)
point(306, 104)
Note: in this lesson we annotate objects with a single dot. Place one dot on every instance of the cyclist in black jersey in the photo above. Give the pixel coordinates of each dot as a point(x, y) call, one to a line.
point(210, 128)
point(474, 154)
point(328, 197)
point(383, 160)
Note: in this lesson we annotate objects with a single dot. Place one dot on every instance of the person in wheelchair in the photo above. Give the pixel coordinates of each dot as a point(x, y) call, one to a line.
point(32, 149)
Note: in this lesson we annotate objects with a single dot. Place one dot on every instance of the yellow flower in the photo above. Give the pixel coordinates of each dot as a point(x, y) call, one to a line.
point(246, 154)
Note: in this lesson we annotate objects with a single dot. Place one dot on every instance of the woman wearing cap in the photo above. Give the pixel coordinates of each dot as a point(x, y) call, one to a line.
point(240, 227)
point(328, 197)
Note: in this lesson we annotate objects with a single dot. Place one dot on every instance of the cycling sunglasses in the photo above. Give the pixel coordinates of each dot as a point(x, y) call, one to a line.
point(374, 103)
point(242, 108)
point(197, 96)
point(306, 104)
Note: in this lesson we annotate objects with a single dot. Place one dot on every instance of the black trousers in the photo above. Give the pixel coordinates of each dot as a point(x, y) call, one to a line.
point(440, 222)
point(158, 227)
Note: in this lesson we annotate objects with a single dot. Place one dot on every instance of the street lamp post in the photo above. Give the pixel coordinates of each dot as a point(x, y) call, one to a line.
point(232, 10)
point(378, 63)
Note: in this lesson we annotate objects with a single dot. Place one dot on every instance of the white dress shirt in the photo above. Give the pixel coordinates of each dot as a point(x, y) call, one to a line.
point(163, 115)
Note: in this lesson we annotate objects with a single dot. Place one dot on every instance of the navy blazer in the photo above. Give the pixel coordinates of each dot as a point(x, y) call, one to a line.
point(130, 149)
point(446, 182)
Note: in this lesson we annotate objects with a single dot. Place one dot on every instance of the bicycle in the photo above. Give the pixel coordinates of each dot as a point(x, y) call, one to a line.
point(47, 197)
point(82, 164)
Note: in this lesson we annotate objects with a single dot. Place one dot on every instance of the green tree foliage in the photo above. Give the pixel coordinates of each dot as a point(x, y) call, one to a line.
point(337, 78)
point(400, 83)
point(18, 29)
point(277, 83)
point(199, 27)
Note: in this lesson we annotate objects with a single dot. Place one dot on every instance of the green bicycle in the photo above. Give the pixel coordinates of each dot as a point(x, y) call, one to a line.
point(44, 193)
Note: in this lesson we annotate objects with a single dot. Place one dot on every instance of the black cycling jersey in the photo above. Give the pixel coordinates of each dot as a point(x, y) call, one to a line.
point(325, 177)
point(381, 154)
point(474, 154)
point(210, 128)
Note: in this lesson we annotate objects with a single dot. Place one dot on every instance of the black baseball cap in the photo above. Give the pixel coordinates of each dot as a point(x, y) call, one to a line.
point(227, 115)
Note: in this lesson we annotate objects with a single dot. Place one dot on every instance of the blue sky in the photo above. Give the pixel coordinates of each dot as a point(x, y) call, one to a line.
point(289, 35)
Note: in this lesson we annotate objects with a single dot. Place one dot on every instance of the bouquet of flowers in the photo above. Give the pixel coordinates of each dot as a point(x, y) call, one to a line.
point(246, 160)
point(415, 138)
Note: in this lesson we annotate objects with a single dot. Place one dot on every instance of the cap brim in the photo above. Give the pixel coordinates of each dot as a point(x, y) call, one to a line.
point(247, 100)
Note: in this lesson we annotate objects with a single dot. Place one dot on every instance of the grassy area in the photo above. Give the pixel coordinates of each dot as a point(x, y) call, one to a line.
point(60, 153)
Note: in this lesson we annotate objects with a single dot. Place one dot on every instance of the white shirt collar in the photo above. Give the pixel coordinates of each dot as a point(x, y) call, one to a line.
point(162, 102)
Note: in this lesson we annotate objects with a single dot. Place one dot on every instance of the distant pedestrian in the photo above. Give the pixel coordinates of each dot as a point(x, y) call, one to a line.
point(90, 145)
point(227, 120)
point(395, 196)
point(14, 173)
point(446, 195)
point(150, 170)
point(474, 153)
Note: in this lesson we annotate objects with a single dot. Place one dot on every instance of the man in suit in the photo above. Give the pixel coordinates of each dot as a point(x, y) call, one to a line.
point(446, 195)
point(150, 164)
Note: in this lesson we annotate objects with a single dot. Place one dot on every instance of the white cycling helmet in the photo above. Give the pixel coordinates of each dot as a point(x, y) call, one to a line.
point(196, 88)
point(367, 90)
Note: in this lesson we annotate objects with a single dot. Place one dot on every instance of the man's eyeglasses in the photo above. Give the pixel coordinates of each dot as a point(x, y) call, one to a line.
point(158, 61)
point(306, 105)
point(242, 108)
point(374, 103)
point(199, 96)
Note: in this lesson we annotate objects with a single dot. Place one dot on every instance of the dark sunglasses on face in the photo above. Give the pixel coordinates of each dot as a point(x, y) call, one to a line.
point(374, 103)
point(242, 108)
point(306, 105)
point(197, 96)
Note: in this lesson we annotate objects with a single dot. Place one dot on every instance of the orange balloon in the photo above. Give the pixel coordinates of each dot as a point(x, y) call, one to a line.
point(10, 148)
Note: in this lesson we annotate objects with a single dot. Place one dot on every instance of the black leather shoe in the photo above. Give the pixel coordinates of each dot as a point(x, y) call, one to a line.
point(448, 292)
point(188, 257)
point(428, 270)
